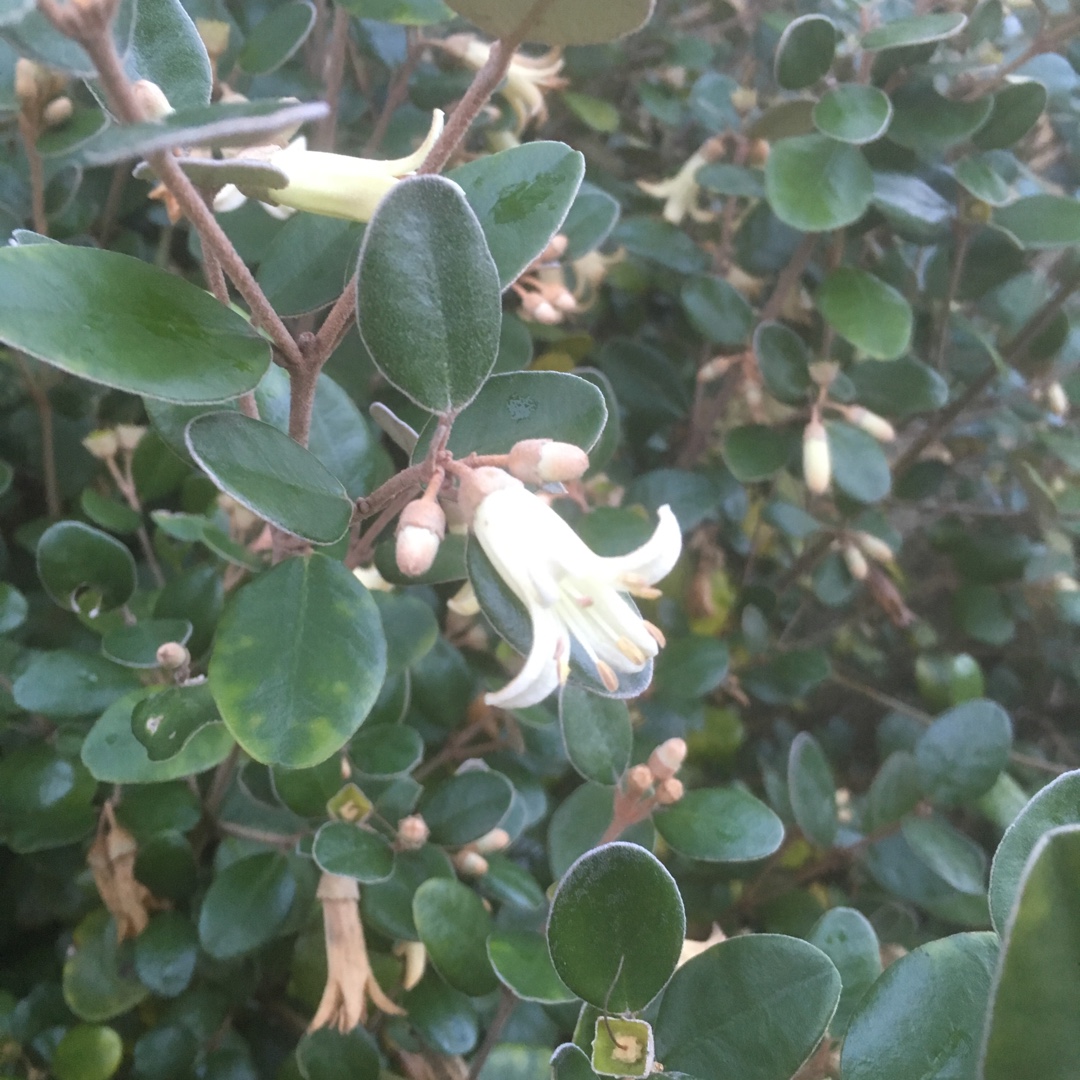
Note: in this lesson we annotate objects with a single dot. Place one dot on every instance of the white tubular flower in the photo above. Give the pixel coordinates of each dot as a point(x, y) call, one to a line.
point(335, 185)
point(681, 192)
point(570, 592)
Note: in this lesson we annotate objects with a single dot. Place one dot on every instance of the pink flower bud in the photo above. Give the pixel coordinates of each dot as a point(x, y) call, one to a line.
point(871, 423)
point(152, 100)
point(470, 863)
point(670, 791)
point(817, 465)
point(1057, 399)
point(855, 561)
point(666, 760)
point(544, 461)
point(173, 656)
point(875, 547)
point(420, 530)
point(639, 779)
point(491, 842)
point(412, 833)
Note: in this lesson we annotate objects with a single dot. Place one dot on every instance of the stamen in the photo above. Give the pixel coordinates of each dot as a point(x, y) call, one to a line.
point(636, 585)
point(564, 671)
point(607, 676)
point(631, 651)
point(655, 633)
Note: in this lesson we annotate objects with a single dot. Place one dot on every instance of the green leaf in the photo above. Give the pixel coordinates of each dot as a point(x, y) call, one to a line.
point(525, 405)
point(76, 562)
point(784, 361)
point(563, 22)
point(465, 807)
point(840, 194)
point(898, 387)
point(812, 790)
point(273, 476)
point(860, 468)
point(660, 242)
point(442, 1016)
point(963, 751)
point(805, 51)
point(428, 305)
point(87, 1052)
point(1055, 805)
point(691, 667)
point(920, 30)
point(982, 613)
point(752, 1007)
point(925, 121)
point(616, 927)
point(13, 608)
point(522, 963)
point(387, 905)
point(454, 926)
point(113, 754)
point(589, 220)
point(126, 324)
point(895, 790)
point(848, 939)
point(280, 707)
point(34, 37)
point(853, 113)
point(97, 983)
point(137, 645)
point(919, 1020)
point(1041, 221)
point(401, 12)
point(327, 1054)
point(951, 855)
point(1031, 1025)
point(1016, 109)
point(597, 734)
point(237, 123)
point(570, 1062)
point(386, 750)
point(872, 315)
point(276, 37)
point(166, 952)
point(717, 310)
point(720, 825)
point(787, 677)
point(979, 178)
point(757, 452)
point(912, 207)
point(46, 801)
point(246, 905)
point(63, 683)
point(111, 514)
point(350, 851)
point(579, 823)
point(521, 197)
point(167, 50)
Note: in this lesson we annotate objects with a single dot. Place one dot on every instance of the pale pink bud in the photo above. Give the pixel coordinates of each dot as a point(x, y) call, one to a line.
point(412, 833)
point(564, 300)
point(172, 656)
point(639, 779)
point(102, 444)
point(129, 436)
point(871, 423)
point(492, 842)
point(666, 760)
point(544, 461)
point(1057, 399)
point(152, 100)
point(817, 465)
point(546, 313)
point(669, 791)
point(875, 547)
point(420, 530)
point(555, 250)
point(470, 863)
point(856, 562)
point(58, 111)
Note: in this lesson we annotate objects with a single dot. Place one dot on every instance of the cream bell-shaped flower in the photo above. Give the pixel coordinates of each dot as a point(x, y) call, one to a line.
point(681, 192)
point(570, 591)
point(335, 185)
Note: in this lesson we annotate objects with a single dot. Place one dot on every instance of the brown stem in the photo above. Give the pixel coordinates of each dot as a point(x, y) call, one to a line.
point(302, 384)
point(789, 277)
point(43, 405)
point(507, 1001)
point(1048, 40)
point(956, 270)
point(334, 77)
point(112, 204)
point(396, 93)
point(336, 324)
point(37, 176)
point(215, 278)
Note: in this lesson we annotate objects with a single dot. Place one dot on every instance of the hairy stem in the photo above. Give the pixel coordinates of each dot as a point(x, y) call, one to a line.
point(48, 444)
point(37, 176)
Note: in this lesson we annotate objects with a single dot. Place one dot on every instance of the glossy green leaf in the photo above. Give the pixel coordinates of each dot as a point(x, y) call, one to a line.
point(717, 310)
point(660, 242)
point(921, 1019)
point(853, 113)
point(1041, 221)
point(276, 37)
point(465, 807)
point(327, 1054)
point(77, 562)
point(522, 963)
point(579, 823)
point(812, 790)
point(409, 626)
point(912, 207)
point(690, 667)
point(597, 734)
point(353, 852)
point(919, 30)
point(165, 721)
point(428, 304)
point(570, 1062)
point(805, 51)
point(13, 608)
point(165, 953)
point(386, 750)
point(442, 1016)
point(720, 825)
point(840, 194)
point(137, 645)
point(113, 754)
point(705, 1027)
point(167, 50)
point(898, 387)
point(236, 123)
point(616, 927)
point(273, 476)
point(757, 451)
point(592, 111)
point(110, 514)
point(784, 360)
point(454, 926)
point(978, 177)
point(280, 708)
point(787, 677)
point(1055, 805)
point(564, 22)
point(848, 939)
point(895, 790)
point(981, 612)
point(387, 905)
point(66, 683)
point(521, 197)
point(97, 981)
point(872, 315)
point(951, 855)
point(526, 405)
point(126, 324)
point(1016, 109)
point(87, 1052)
point(963, 751)
point(46, 801)
point(589, 221)
point(1031, 1025)
point(925, 121)
point(246, 905)
point(860, 468)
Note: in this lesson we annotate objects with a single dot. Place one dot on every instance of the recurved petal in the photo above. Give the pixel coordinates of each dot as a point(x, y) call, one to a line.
point(655, 558)
point(540, 674)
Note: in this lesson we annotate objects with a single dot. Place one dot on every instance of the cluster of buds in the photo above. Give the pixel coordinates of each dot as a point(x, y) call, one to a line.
point(856, 547)
point(108, 443)
point(645, 787)
point(412, 833)
point(42, 101)
point(469, 860)
point(542, 288)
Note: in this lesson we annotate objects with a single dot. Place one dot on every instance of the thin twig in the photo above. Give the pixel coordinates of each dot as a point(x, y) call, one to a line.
point(507, 1001)
point(396, 93)
point(112, 203)
point(334, 77)
point(43, 405)
point(37, 176)
point(956, 270)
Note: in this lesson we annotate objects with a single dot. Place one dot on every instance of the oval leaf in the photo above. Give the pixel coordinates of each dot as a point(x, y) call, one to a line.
point(454, 926)
point(597, 734)
point(720, 825)
point(963, 752)
point(350, 851)
point(73, 559)
point(522, 962)
point(563, 22)
point(872, 315)
point(805, 51)
point(841, 192)
point(853, 113)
